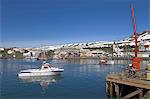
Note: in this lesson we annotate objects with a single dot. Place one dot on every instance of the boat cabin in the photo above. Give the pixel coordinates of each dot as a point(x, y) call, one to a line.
point(46, 66)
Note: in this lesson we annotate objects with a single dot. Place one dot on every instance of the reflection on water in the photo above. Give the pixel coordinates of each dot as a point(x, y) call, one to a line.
point(44, 81)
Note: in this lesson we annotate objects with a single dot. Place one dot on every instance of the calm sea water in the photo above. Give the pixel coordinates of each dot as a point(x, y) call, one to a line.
point(82, 79)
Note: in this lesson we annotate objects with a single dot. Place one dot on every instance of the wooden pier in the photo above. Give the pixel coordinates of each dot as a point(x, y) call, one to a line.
point(119, 86)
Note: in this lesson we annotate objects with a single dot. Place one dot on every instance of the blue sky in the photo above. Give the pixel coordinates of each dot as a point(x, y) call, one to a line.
point(31, 23)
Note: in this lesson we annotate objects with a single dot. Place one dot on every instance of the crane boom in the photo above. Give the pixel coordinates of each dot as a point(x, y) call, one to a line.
point(136, 60)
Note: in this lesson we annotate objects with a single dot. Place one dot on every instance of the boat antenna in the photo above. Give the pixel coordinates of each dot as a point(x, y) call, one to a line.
point(136, 60)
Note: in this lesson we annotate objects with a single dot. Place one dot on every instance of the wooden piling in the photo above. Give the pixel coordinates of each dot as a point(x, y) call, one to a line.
point(117, 90)
point(111, 89)
point(107, 92)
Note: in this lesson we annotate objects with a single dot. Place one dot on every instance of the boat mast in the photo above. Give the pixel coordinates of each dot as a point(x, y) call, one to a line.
point(136, 60)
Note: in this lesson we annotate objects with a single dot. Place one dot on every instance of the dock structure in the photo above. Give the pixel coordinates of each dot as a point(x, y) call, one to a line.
point(118, 86)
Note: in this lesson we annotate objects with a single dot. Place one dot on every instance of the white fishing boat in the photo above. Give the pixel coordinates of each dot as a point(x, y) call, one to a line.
point(45, 70)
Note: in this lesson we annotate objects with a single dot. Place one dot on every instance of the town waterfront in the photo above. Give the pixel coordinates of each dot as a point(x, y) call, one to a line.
point(82, 79)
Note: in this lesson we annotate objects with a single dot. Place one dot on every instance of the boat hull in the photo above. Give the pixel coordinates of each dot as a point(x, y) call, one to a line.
point(40, 72)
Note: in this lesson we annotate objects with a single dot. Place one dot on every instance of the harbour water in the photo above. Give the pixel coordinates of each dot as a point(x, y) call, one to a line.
point(82, 79)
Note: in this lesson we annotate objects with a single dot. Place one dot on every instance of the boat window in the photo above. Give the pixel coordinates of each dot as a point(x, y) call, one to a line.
point(25, 72)
point(45, 67)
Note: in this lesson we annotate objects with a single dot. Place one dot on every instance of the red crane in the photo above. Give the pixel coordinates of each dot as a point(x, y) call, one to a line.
point(135, 60)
